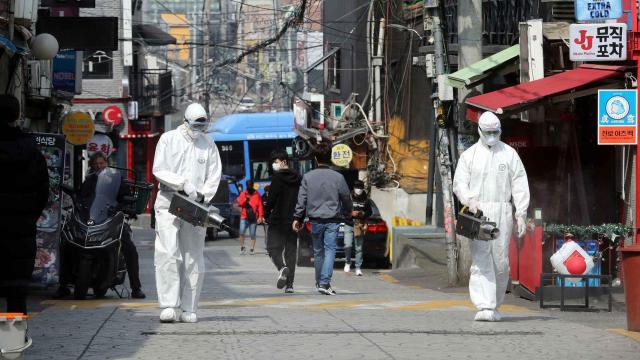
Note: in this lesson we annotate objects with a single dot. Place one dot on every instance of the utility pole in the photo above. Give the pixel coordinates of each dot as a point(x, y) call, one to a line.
point(469, 52)
point(277, 56)
point(194, 52)
point(206, 12)
point(444, 156)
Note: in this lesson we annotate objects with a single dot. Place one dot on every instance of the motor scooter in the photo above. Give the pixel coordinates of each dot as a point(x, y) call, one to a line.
point(91, 238)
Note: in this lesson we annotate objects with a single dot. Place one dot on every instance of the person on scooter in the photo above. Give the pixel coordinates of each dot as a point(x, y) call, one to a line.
point(97, 163)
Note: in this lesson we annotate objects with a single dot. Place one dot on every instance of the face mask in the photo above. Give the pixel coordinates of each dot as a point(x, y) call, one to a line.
point(358, 191)
point(251, 190)
point(275, 166)
point(490, 138)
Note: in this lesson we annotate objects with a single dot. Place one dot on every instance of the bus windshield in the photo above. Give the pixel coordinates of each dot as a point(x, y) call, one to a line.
point(232, 157)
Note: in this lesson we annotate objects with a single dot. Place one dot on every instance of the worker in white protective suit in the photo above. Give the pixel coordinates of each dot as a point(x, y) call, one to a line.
point(186, 160)
point(488, 177)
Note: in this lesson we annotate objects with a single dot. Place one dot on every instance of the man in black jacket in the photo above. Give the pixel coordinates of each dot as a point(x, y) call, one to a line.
point(281, 202)
point(24, 191)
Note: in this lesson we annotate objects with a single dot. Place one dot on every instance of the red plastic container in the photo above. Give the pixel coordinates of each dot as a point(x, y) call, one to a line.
point(631, 272)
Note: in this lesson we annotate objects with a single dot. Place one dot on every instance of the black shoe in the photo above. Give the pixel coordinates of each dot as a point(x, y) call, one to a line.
point(62, 292)
point(288, 289)
point(138, 294)
point(282, 278)
point(326, 290)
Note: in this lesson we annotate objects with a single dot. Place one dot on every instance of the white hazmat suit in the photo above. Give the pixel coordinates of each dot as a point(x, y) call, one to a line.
point(185, 160)
point(489, 176)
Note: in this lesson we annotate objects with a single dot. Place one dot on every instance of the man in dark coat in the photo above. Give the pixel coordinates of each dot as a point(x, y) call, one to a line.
point(24, 191)
point(281, 203)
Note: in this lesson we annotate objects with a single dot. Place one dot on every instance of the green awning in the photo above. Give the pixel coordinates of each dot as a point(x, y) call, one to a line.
point(476, 72)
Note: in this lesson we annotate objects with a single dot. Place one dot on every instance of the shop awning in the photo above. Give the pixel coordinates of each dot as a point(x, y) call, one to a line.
point(152, 35)
point(521, 96)
point(478, 71)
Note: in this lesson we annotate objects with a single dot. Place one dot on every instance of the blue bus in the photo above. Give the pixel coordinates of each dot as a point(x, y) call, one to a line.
point(245, 142)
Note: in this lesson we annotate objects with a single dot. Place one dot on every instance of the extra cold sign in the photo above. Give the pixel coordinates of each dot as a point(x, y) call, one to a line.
point(587, 10)
point(617, 117)
point(598, 42)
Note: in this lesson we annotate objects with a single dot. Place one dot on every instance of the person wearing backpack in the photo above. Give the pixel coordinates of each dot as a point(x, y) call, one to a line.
point(252, 214)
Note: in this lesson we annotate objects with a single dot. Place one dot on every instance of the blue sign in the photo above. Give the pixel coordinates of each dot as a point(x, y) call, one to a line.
point(590, 10)
point(617, 107)
point(64, 72)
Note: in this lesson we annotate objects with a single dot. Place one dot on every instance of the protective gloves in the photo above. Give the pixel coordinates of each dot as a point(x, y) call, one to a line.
point(190, 190)
point(473, 205)
point(522, 227)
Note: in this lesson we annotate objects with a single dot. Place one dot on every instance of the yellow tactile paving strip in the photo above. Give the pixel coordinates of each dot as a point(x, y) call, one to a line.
point(317, 303)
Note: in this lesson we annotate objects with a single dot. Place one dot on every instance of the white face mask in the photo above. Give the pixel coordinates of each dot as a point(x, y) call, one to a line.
point(276, 166)
point(358, 191)
point(490, 138)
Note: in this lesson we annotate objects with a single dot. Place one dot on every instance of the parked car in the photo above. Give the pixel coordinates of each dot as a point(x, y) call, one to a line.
point(374, 248)
point(225, 201)
point(247, 104)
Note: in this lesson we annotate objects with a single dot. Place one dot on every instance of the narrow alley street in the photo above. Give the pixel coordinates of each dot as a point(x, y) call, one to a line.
point(377, 316)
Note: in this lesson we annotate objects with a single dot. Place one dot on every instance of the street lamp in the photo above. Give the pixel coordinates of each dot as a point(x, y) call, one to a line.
point(44, 46)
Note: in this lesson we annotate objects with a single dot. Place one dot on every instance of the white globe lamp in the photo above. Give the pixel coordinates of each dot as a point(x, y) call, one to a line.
point(44, 46)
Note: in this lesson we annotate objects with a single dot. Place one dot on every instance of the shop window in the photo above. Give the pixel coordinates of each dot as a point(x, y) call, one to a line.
point(98, 65)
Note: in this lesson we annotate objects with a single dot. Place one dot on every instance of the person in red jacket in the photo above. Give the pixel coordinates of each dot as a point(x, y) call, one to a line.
point(252, 215)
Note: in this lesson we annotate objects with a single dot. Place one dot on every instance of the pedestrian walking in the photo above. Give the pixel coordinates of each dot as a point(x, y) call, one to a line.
point(24, 191)
point(186, 160)
point(281, 203)
point(252, 214)
point(489, 176)
point(324, 198)
point(358, 226)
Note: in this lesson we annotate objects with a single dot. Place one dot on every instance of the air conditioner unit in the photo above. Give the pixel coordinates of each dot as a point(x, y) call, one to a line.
point(39, 79)
point(34, 78)
point(336, 110)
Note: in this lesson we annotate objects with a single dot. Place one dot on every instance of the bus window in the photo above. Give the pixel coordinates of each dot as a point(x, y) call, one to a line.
point(302, 166)
point(232, 157)
point(260, 156)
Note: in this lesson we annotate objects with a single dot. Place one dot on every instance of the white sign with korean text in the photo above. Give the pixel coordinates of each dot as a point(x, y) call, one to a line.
point(598, 42)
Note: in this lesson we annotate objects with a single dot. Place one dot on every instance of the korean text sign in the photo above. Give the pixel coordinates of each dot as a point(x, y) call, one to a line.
point(589, 10)
point(617, 117)
point(598, 42)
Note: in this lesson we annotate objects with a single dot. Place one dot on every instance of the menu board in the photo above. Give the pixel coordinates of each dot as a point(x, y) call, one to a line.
point(46, 267)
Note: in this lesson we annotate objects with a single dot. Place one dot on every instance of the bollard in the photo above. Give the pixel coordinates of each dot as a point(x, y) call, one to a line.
point(631, 273)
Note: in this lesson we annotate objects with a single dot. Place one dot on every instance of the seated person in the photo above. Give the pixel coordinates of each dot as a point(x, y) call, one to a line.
point(87, 199)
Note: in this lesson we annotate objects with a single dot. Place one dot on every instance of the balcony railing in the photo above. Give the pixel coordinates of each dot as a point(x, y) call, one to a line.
point(153, 89)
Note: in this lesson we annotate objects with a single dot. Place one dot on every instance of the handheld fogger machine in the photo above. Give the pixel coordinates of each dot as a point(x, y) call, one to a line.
point(197, 214)
point(475, 226)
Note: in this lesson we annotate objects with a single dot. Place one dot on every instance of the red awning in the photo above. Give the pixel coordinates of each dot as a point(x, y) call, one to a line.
point(523, 95)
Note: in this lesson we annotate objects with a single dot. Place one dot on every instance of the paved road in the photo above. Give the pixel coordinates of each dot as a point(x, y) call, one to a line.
point(243, 316)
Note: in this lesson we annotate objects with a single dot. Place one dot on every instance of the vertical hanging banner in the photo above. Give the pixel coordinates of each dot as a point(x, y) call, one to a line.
point(46, 269)
point(617, 117)
point(591, 10)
